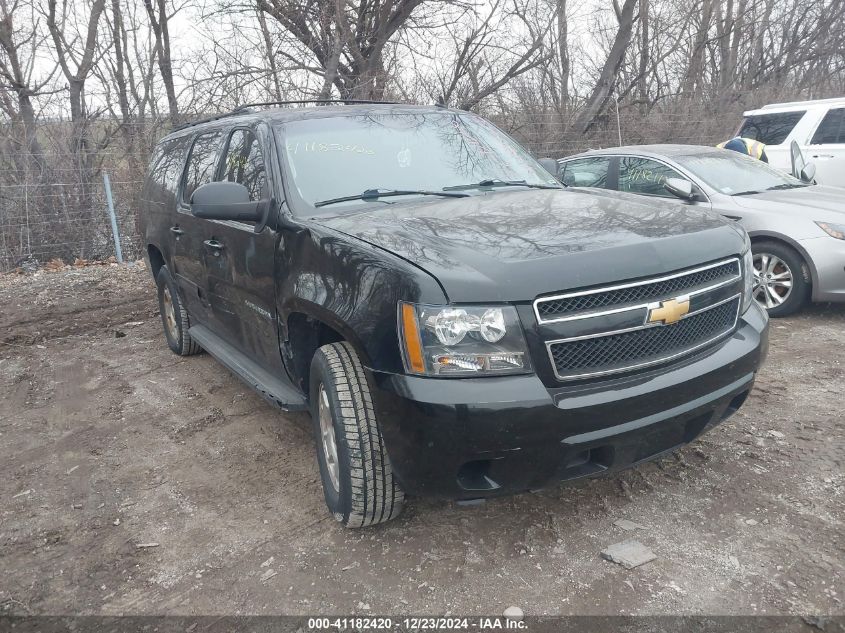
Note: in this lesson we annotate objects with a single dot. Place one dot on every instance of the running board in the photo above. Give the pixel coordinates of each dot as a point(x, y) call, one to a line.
point(275, 391)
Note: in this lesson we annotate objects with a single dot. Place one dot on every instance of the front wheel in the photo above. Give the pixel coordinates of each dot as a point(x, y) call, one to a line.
point(358, 481)
point(781, 279)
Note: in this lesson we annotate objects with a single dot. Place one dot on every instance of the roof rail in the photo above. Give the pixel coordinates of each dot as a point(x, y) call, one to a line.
point(206, 120)
point(262, 104)
point(809, 102)
point(247, 107)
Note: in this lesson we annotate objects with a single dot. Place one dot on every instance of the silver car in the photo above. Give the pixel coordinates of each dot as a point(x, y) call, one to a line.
point(797, 228)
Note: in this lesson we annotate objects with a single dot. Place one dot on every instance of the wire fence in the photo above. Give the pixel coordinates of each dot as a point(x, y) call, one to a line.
point(61, 210)
point(68, 219)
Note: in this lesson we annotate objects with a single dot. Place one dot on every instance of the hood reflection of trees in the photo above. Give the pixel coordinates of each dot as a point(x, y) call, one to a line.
point(503, 227)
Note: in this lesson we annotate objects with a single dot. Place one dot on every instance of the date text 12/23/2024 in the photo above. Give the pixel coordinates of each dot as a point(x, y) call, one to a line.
point(359, 623)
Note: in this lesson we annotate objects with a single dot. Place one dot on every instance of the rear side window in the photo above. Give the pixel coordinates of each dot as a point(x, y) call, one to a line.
point(585, 172)
point(245, 163)
point(644, 176)
point(166, 167)
point(201, 163)
point(831, 129)
point(771, 129)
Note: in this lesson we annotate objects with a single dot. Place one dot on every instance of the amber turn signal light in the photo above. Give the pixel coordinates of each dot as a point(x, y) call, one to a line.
point(411, 336)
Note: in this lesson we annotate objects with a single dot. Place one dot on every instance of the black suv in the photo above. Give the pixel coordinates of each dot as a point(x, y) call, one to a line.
point(456, 321)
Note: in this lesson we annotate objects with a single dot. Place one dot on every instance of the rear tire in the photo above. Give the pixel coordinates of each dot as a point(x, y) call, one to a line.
point(358, 482)
point(781, 278)
point(174, 317)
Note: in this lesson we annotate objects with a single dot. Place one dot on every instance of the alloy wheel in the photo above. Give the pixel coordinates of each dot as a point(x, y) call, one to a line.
point(170, 314)
point(327, 437)
point(772, 280)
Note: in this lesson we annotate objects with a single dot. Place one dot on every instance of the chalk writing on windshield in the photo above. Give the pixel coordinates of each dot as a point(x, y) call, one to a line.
point(314, 146)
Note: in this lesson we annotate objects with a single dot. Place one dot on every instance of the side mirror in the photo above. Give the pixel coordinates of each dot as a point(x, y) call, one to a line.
point(808, 172)
point(226, 201)
point(550, 165)
point(680, 188)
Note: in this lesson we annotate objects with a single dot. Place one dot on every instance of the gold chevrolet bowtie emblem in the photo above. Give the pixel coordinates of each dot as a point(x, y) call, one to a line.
point(668, 312)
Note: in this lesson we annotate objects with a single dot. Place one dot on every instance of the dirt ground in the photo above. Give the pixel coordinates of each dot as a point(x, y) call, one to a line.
point(108, 441)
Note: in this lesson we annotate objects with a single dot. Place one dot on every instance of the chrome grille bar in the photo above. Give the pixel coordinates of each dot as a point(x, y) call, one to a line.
point(643, 346)
point(638, 294)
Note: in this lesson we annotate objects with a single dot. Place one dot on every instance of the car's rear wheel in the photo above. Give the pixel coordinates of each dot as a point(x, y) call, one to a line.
point(781, 279)
point(358, 482)
point(174, 316)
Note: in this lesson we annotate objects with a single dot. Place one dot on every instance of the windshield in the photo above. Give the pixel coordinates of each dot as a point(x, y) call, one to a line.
point(732, 173)
point(335, 157)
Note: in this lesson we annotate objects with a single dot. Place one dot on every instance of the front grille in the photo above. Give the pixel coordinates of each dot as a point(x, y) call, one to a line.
point(619, 352)
point(564, 306)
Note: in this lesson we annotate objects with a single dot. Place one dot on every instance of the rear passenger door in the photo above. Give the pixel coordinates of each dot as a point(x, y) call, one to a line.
point(188, 233)
point(827, 149)
point(240, 274)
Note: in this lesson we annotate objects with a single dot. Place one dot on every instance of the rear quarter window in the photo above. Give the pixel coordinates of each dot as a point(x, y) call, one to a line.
point(770, 129)
point(831, 129)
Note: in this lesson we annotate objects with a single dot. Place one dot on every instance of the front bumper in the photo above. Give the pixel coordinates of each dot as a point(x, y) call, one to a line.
point(827, 256)
point(479, 437)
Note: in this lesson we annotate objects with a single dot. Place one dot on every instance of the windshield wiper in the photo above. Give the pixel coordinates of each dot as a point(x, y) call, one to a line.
point(746, 193)
point(375, 194)
point(496, 182)
point(786, 185)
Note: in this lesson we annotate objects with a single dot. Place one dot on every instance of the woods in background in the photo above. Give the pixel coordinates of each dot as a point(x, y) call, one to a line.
point(89, 85)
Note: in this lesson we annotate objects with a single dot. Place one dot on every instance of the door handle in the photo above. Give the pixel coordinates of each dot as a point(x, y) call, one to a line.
point(214, 244)
point(822, 155)
point(176, 230)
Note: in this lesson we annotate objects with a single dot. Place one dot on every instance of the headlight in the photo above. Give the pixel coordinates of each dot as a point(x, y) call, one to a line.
point(834, 230)
point(747, 276)
point(462, 340)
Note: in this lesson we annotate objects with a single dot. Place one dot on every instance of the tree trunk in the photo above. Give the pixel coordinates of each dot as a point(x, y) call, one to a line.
point(563, 51)
point(370, 81)
point(758, 49)
point(271, 58)
point(607, 79)
point(13, 72)
point(695, 67)
point(162, 40)
point(645, 43)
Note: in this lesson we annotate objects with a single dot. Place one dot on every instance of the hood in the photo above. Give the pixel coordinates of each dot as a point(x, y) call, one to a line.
point(815, 202)
point(513, 246)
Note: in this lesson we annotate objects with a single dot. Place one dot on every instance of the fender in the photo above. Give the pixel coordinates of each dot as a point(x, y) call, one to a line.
point(350, 286)
point(780, 237)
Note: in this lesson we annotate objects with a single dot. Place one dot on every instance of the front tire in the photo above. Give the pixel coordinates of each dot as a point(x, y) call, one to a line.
point(174, 316)
point(781, 278)
point(358, 482)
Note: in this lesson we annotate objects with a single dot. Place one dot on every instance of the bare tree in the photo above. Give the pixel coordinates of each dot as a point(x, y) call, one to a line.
point(606, 81)
point(270, 55)
point(18, 51)
point(645, 55)
point(159, 22)
point(484, 61)
point(346, 38)
point(76, 64)
point(563, 49)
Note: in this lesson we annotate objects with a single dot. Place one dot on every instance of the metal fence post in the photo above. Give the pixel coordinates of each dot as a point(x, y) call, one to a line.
point(117, 251)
